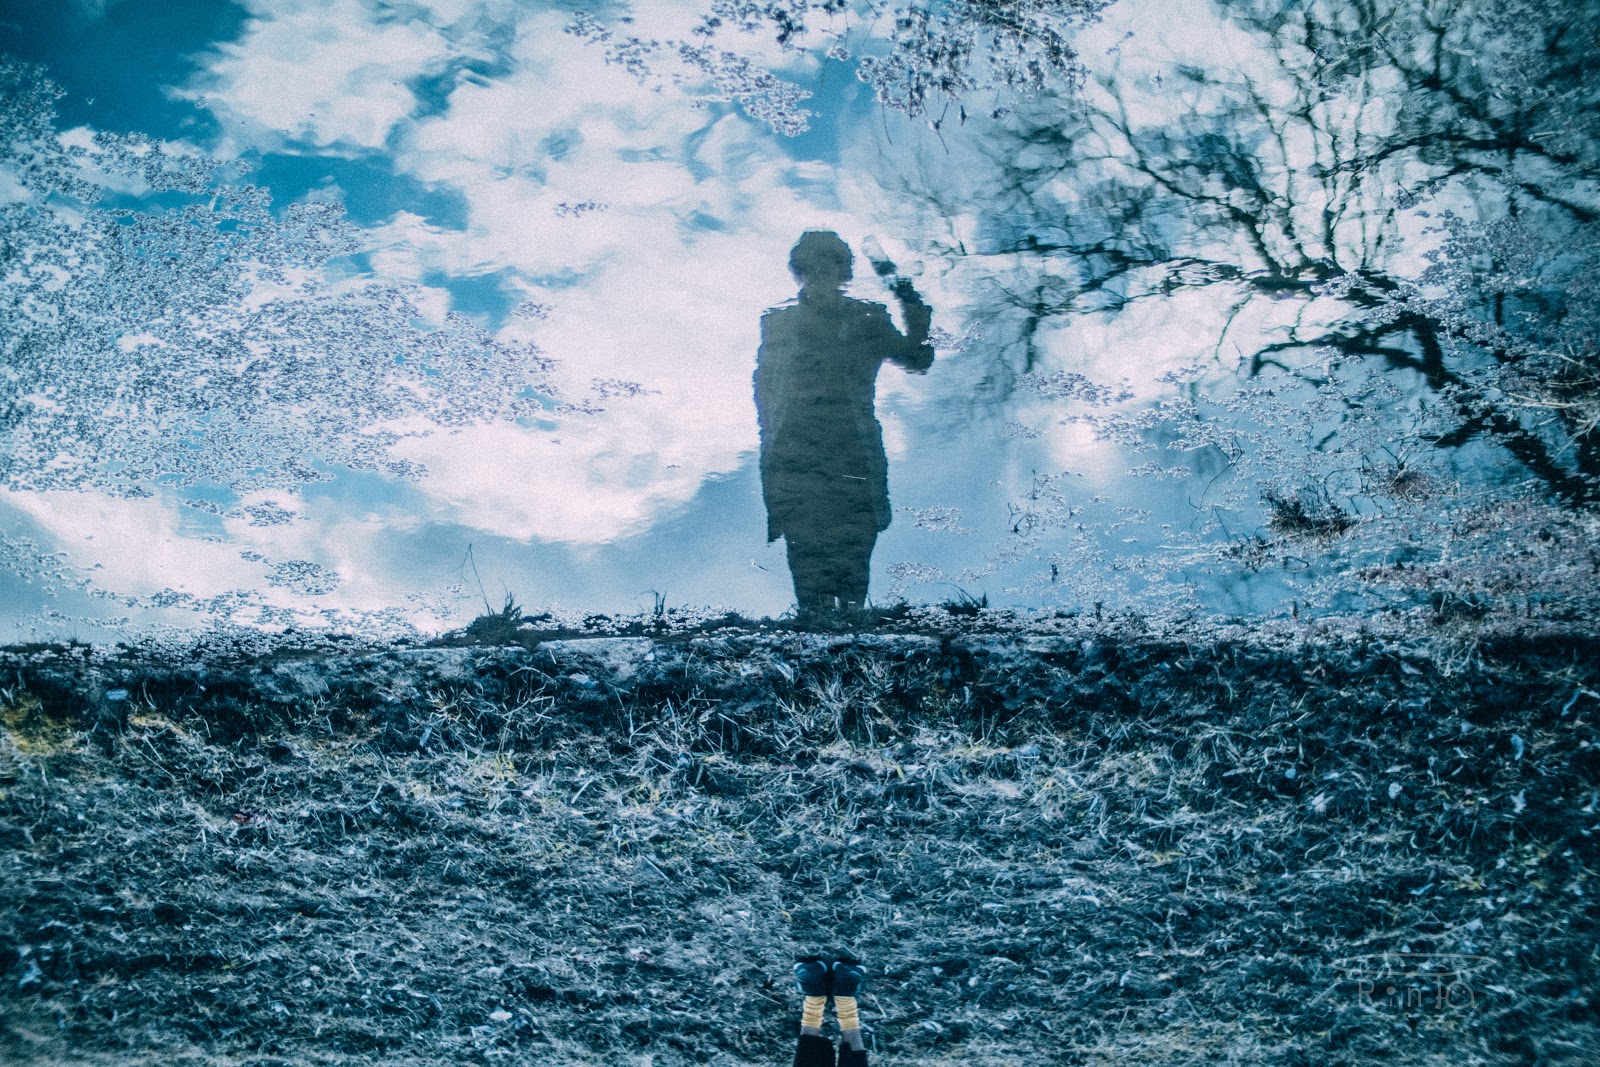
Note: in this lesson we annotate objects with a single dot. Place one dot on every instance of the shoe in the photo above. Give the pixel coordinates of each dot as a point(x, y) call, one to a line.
point(811, 975)
point(849, 1057)
point(814, 1052)
point(848, 976)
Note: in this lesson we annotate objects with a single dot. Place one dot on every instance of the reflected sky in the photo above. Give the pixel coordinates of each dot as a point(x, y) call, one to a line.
point(621, 236)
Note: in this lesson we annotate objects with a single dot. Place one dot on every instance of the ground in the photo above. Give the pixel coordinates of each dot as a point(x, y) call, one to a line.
point(1088, 847)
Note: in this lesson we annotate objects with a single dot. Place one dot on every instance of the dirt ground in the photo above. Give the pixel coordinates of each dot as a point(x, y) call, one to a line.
point(1085, 849)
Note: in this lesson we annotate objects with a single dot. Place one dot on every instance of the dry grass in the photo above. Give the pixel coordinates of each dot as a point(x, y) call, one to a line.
point(1089, 855)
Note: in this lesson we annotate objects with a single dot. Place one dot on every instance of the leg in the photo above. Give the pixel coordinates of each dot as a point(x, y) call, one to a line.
point(814, 1050)
point(831, 564)
point(807, 566)
point(848, 977)
point(856, 560)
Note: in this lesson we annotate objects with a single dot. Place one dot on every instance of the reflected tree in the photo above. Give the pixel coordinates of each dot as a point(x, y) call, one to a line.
point(211, 342)
point(919, 58)
point(1408, 192)
point(210, 345)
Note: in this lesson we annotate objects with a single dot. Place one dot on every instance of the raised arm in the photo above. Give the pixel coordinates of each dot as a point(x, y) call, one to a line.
point(914, 352)
point(910, 349)
point(919, 318)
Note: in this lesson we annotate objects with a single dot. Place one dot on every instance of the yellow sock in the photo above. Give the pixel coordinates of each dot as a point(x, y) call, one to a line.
point(811, 1014)
point(849, 1018)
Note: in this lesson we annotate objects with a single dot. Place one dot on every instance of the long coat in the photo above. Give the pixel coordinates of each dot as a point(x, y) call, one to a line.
point(823, 466)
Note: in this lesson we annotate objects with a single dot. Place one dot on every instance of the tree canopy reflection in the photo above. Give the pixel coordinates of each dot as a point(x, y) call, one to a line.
point(1407, 192)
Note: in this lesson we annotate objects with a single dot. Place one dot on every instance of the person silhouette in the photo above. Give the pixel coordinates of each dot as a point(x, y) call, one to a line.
point(818, 980)
point(824, 475)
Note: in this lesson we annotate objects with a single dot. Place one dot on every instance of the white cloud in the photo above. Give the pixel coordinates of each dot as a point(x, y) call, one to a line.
point(139, 545)
point(330, 73)
point(573, 485)
point(662, 283)
point(658, 232)
point(144, 545)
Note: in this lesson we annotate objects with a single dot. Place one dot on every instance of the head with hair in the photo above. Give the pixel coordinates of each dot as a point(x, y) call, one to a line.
point(822, 248)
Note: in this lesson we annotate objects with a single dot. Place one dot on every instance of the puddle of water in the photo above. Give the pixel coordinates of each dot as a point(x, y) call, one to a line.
point(331, 313)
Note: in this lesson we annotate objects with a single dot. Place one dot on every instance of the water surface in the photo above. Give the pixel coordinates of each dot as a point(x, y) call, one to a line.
point(360, 312)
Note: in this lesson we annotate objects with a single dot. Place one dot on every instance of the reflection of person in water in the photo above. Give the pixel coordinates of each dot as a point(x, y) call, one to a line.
point(824, 475)
point(818, 980)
